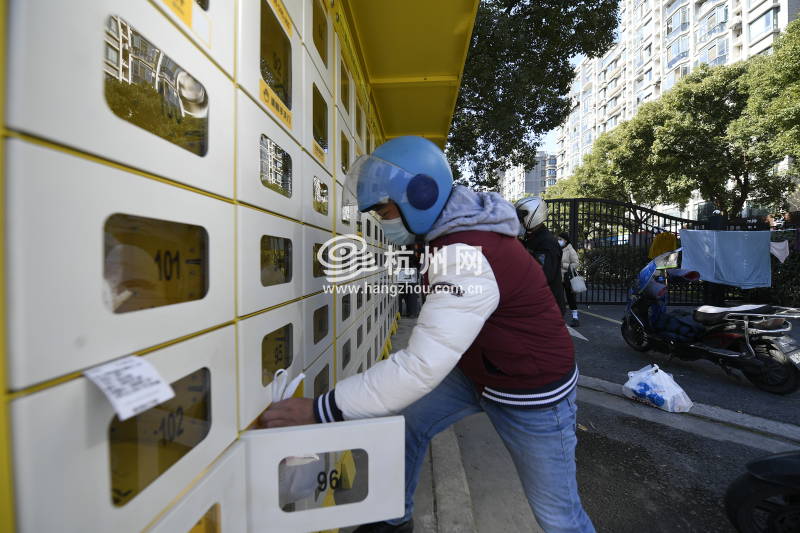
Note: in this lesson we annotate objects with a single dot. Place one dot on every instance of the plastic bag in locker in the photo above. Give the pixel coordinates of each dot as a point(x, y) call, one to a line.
point(297, 476)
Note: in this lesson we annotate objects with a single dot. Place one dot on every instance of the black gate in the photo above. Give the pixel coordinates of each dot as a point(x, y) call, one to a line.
point(613, 241)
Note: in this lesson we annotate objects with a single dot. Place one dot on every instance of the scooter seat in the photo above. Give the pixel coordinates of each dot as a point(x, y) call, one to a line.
point(708, 314)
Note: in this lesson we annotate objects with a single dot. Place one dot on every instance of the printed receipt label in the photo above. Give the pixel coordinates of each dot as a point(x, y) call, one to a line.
point(131, 384)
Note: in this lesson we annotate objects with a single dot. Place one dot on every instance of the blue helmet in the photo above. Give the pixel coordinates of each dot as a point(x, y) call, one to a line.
point(411, 171)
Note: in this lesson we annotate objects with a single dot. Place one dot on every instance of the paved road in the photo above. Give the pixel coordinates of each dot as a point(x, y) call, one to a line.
point(606, 356)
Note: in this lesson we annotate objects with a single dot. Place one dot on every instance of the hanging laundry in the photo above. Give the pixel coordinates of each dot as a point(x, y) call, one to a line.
point(662, 243)
point(737, 258)
point(779, 250)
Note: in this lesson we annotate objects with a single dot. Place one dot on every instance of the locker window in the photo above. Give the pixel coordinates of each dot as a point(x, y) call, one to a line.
point(321, 382)
point(276, 55)
point(360, 368)
point(369, 324)
point(344, 86)
point(209, 522)
point(376, 346)
point(369, 354)
point(347, 214)
point(345, 163)
point(276, 167)
point(320, 323)
point(369, 292)
point(376, 315)
point(359, 121)
point(369, 228)
point(320, 22)
point(276, 353)
point(144, 86)
point(320, 196)
point(276, 260)
point(319, 119)
point(317, 268)
point(359, 299)
point(345, 307)
point(336, 482)
point(359, 336)
point(147, 445)
point(346, 354)
point(149, 262)
point(204, 5)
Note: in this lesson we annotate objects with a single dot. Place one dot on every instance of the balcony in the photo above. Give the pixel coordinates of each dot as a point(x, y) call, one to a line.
point(675, 5)
point(719, 60)
point(674, 60)
point(713, 31)
point(675, 31)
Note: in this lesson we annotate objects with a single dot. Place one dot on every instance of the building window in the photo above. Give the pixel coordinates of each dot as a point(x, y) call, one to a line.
point(276, 167)
point(679, 21)
point(712, 24)
point(764, 24)
point(678, 50)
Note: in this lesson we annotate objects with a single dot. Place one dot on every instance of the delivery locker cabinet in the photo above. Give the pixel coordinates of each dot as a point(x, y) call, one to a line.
point(217, 504)
point(344, 85)
point(130, 88)
point(270, 59)
point(143, 261)
point(268, 342)
point(318, 207)
point(78, 468)
point(360, 297)
point(269, 170)
point(346, 300)
point(319, 376)
point(375, 494)
point(210, 24)
point(343, 156)
point(318, 326)
point(318, 116)
point(318, 39)
point(271, 252)
point(314, 242)
point(348, 358)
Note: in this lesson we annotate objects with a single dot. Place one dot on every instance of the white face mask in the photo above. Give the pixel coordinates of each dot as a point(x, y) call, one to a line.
point(396, 231)
point(561, 242)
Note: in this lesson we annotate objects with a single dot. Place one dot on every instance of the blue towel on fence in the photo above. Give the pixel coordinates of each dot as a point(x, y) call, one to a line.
point(737, 258)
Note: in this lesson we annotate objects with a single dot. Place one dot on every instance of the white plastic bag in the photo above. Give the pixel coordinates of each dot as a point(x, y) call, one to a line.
point(297, 476)
point(576, 282)
point(653, 386)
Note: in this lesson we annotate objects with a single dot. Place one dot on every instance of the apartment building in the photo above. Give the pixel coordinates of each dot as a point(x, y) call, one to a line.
point(658, 43)
point(517, 182)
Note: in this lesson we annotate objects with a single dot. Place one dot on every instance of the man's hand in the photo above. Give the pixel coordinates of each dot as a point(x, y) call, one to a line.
point(291, 412)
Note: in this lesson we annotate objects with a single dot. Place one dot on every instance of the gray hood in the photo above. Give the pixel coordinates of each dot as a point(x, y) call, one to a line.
point(481, 211)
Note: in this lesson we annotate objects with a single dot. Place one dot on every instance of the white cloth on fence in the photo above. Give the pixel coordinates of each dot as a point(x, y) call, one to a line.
point(780, 250)
point(737, 258)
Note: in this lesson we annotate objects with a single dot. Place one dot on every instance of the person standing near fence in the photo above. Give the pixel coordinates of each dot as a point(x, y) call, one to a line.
point(569, 263)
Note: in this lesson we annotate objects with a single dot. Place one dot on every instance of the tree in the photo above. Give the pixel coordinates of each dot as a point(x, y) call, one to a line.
point(701, 144)
point(517, 77)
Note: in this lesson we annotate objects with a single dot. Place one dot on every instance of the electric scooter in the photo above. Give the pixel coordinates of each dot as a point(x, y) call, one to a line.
point(750, 338)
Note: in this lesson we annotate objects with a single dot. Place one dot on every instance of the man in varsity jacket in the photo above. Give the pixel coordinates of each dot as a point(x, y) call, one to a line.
point(490, 336)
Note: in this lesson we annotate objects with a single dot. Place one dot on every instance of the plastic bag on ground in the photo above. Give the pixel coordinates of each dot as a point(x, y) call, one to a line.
point(653, 386)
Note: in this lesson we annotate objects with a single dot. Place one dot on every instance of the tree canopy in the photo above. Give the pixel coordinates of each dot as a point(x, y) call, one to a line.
point(517, 78)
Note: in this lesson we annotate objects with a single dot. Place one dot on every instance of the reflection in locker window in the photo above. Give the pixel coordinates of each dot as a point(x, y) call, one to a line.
point(346, 354)
point(320, 119)
point(147, 88)
point(320, 196)
point(320, 323)
point(209, 522)
point(347, 213)
point(276, 260)
point(147, 445)
point(276, 55)
point(359, 336)
point(150, 262)
point(359, 121)
point(276, 353)
point(321, 382)
point(345, 153)
point(344, 87)
point(345, 307)
point(320, 31)
point(276, 167)
point(317, 270)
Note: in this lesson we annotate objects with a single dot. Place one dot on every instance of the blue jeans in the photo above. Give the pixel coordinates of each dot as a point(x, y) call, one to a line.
point(541, 443)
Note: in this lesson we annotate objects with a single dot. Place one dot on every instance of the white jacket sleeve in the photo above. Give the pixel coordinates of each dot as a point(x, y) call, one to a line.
point(463, 295)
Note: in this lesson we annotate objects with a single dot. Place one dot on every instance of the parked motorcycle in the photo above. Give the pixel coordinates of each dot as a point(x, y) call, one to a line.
point(750, 338)
point(767, 497)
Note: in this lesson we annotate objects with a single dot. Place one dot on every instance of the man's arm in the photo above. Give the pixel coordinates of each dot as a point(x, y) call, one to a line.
point(451, 318)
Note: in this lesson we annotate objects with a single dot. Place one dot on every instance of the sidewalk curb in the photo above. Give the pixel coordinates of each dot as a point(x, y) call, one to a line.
point(770, 428)
point(453, 502)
